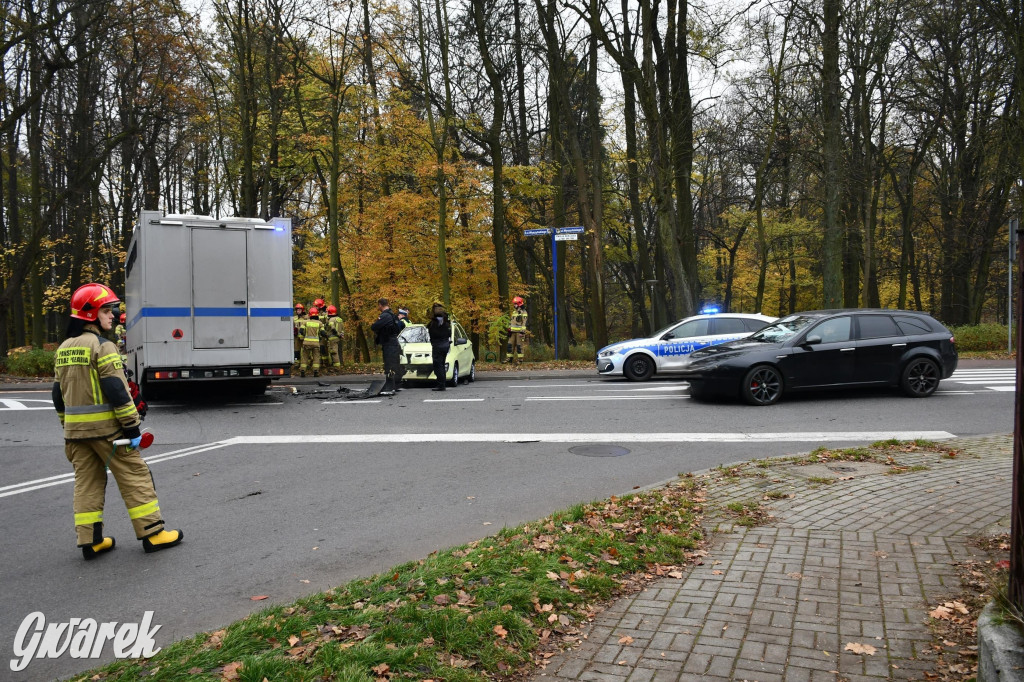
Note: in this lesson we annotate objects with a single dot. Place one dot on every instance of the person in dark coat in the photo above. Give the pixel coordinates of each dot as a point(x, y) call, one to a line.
point(385, 334)
point(440, 330)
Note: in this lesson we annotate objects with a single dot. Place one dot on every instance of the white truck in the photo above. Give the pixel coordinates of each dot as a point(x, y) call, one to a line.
point(208, 300)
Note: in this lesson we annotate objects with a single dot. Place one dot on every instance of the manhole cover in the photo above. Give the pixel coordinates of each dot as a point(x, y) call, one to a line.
point(599, 450)
point(841, 469)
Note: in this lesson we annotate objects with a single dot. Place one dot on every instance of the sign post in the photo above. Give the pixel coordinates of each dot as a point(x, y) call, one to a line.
point(558, 234)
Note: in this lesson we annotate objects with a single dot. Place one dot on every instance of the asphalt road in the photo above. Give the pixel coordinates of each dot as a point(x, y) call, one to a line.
point(288, 494)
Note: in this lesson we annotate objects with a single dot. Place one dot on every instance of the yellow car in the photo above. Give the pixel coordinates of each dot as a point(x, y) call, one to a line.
point(416, 356)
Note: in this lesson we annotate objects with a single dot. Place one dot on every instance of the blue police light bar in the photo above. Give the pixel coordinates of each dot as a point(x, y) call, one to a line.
point(710, 310)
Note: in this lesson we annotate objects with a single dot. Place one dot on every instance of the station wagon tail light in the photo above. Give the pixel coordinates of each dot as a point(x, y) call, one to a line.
point(952, 339)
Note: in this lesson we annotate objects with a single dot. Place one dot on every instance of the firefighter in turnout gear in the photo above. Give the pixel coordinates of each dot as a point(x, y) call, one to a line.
point(92, 399)
point(517, 331)
point(334, 334)
point(311, 330)
point(297, 319)
point(119, 332)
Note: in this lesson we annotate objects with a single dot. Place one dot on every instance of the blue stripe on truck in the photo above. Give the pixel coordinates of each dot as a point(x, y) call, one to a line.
point(208, 312)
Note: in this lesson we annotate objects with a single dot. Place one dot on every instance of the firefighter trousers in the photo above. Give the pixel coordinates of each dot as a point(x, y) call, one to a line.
point(134, 480)
point(517, 341)
point(332, 348)
point(310, 356)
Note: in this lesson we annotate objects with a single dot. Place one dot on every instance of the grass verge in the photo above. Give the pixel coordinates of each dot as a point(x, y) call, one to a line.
point(494, 608)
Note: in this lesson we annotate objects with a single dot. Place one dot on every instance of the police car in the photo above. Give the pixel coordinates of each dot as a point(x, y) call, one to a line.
point(640, 359)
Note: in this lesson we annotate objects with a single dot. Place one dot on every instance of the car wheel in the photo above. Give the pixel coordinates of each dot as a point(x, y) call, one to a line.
point(762, 386)
point(454, 381)
point(472, 373)
point(638, 367)
point(920, 378)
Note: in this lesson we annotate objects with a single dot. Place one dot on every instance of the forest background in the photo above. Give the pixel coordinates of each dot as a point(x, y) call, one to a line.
point(773, 156)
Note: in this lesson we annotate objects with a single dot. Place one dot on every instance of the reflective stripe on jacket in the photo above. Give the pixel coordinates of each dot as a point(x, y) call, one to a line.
point(80, 364)
point(334, 325)
point(310, 331)
point(518, 321)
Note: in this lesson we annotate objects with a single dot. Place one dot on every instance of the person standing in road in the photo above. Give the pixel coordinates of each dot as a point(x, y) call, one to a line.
point(311, 330)
point(92, 399)
point(334, 334)
point(386, 330)
point(439, 329)
point(517, 331)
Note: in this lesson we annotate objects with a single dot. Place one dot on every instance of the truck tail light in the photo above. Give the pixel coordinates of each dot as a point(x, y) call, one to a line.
point(277, 372)
point(165, 375)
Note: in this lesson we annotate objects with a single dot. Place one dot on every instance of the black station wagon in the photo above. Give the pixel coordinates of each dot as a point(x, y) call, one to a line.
point(824, 349)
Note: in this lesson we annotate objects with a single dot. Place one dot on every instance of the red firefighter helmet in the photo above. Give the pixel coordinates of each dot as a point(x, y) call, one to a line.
point(331, 310)
point(124, 318)
point(313, 312)
point(89, 298)
point(518, 301)
point(319, 303)
point(300, 307)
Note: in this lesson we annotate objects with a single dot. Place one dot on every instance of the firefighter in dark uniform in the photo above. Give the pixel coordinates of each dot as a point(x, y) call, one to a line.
point(385, 334)
point(93, 401)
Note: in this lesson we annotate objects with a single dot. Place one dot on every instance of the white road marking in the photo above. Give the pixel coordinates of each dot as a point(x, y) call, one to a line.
point(606, 397)
point(350, 402)
point(592, 384)
point(954, 393)
point(1006, 389)
point(301, 439)
point(453, 400)
point(11, 404)
point(993, 380)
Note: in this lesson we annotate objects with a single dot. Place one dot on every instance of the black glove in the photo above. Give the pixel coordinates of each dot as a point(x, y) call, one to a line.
point(132, 432)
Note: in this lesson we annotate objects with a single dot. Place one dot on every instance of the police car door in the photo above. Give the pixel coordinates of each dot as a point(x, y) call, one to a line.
point(679, 342)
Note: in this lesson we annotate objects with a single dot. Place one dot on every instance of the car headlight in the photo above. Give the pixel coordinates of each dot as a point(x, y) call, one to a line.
point(607, 353)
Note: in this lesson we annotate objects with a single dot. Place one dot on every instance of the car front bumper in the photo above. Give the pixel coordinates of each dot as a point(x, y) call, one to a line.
point(610, 365)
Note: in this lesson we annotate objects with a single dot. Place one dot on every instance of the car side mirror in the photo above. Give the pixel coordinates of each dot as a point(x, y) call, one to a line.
point(812, 340)
point(668, 336)
point(461, 342)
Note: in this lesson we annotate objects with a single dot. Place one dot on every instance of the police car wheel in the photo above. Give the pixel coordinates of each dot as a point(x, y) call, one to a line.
point(638, 367)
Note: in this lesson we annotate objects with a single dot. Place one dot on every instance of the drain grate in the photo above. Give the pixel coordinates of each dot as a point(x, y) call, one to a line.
point(599, 450)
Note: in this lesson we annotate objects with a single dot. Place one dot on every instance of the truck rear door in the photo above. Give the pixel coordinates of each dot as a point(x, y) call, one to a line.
point(220, 289)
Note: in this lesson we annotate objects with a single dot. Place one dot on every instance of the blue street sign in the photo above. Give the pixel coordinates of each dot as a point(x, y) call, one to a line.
point(569, 230)
point(536, 232)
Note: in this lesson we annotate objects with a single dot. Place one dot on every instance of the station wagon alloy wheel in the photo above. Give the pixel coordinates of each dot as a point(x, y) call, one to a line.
point(762, 386)
point(920, 378)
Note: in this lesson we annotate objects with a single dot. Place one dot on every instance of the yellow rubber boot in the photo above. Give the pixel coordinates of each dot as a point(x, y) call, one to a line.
point(165, 539)
point(93, 551)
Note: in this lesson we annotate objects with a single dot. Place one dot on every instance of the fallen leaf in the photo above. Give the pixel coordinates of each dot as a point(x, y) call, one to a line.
point(293, 640)
point(625, 639)
point(442, 599)
point(716, 572)
point(259, 597)
point(230, 671)
point(858, 648)
point(500, 631)
point(1002, 563)
point(941, 612)
point(380, 669)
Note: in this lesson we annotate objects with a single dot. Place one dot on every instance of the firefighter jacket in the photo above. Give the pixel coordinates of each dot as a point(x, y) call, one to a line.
point(518, 323)
point(334, 326)
point(91, 393)
point(310, 330)
point(297, 321)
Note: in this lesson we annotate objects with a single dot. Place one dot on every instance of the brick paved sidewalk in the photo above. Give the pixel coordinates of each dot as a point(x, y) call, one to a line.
point(860, 560)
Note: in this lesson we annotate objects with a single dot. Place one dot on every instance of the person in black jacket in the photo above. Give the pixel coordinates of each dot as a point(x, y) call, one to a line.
point(440, 330)
point(385, 334)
